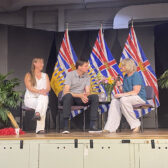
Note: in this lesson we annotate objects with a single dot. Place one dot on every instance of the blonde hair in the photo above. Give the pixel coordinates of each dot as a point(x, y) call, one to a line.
point(129, 65)
point(32, 74)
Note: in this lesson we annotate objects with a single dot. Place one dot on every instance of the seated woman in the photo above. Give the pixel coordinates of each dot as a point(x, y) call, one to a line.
point(132, 92)
point(37, 89)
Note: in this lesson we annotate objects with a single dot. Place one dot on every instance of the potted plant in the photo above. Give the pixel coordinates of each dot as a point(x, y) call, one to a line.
point(9, 98)
point(163, 81)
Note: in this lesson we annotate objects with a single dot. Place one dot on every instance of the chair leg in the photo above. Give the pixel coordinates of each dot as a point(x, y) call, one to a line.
point(156, 115)
point(20, 124)
point(21, 119)
point(69, 123)
point(59, 120)
point(156, 119)
point(84, 126)
point(102, 121)
point(142, 123)
point(47, 120)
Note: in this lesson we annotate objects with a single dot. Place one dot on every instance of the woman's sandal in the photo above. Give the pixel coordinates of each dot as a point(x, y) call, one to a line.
point(105, 131)
point(136, 130)
point(36, 117)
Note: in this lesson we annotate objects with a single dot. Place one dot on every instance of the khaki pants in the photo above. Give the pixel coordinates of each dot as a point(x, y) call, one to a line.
point(122, 106)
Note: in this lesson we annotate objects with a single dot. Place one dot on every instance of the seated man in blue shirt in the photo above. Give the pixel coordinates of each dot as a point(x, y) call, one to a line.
point(77, 92)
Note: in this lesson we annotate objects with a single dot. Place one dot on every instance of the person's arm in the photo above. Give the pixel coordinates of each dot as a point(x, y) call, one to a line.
point(87, 87)
point(87, 90)
point(29, 85)
point(68, 82)
point(119, 84)
point(48, 84)
point(82, 96)
point(67, 90)
point(135, 91)
point(136, 82)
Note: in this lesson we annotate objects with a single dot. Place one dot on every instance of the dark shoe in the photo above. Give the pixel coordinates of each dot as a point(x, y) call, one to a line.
point(36, 117)
point(41, 132)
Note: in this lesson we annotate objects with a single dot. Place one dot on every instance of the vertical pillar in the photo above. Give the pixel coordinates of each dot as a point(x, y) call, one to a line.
point(29, 18)
point(61, 19)
point(3, 49)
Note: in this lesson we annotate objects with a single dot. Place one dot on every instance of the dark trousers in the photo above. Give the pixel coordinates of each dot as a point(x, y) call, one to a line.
point(68, 100)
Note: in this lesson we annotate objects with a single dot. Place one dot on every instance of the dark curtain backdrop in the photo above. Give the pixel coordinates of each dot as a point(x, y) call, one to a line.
point(161, 56)
point(82, 42)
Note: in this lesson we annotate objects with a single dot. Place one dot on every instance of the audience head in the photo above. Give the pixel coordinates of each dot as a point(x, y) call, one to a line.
point(37, 64)
point(82, 65)
point(128, 65)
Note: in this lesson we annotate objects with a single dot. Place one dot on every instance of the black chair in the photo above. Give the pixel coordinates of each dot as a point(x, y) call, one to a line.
point(150, 95)
point(24, 110)
point(75, 107)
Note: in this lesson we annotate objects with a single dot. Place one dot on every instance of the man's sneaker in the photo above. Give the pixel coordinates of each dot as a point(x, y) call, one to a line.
point(95, 130)
point(65, 131)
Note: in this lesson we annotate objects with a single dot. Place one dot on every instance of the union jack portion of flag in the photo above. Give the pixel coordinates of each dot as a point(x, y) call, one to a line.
point(133, 50)
point(66, 63)
point(101, 60)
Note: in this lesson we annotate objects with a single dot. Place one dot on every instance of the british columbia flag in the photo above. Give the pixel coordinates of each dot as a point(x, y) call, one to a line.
point(101, 60)
point(133, 50)
point(66, 63)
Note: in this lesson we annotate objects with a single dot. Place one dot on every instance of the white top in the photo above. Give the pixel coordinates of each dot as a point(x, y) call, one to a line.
point(40, 84)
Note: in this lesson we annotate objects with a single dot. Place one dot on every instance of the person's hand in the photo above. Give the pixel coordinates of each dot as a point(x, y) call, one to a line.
point(118, 95)
point(119, 83)
point(84, 98)
point(43, 92)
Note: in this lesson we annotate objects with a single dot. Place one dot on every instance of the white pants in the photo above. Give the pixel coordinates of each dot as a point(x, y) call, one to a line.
point(123, 106)
point(40, 105)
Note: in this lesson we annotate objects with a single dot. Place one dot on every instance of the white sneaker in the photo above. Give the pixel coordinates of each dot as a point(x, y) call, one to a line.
point(98, 131)
point(65, 132)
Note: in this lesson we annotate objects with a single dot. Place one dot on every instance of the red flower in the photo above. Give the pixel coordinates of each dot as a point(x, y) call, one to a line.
point(10, 131)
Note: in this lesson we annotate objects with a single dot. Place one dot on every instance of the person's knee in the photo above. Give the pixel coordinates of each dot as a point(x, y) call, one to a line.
point(123, 100)
point(115, 101)
point(67, 97)
point(94, 98)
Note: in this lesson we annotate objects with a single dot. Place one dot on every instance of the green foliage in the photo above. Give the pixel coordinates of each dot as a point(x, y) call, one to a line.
point(163, 81)
point(9, 98)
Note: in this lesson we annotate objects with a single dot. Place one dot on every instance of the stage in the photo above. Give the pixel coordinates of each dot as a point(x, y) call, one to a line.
point(85, 150)
point(124, 134)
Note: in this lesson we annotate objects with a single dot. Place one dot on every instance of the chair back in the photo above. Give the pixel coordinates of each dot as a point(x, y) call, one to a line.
point(149, 92)
point(60, 94)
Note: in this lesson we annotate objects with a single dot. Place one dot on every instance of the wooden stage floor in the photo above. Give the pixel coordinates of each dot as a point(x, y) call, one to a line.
point(124, 134)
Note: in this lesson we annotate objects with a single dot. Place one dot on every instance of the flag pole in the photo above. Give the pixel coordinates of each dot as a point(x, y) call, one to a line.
point(132, 22)
point(101, 27)
point(66, 26)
